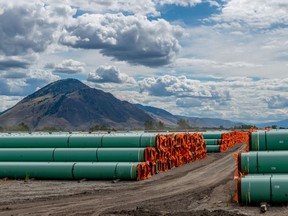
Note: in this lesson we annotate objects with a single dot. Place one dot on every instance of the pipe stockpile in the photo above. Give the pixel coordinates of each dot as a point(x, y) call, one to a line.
point(263, 162)
point(268, 140)
point(271, 188)
point(262, 173)
point(70, 170)
point(150, 154)
point(221, 141)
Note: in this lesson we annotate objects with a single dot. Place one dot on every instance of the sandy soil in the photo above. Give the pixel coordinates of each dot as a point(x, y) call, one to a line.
point(201, 188)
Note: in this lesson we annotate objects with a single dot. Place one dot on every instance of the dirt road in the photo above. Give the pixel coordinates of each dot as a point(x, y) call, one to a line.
point(204, 187)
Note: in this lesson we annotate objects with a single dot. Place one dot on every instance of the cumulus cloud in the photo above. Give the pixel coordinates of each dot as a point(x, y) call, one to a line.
point(189, 102)
point(186, 3)
point(8, 63)
point(30, 27)
point(8, 101)
point(134, 39)
point(68, 66)
point(109, 74)
point(256, 13)
point(277, 102)
point(182, 87)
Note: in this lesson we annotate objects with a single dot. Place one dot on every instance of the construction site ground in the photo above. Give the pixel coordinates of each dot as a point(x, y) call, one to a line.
point(200, 188)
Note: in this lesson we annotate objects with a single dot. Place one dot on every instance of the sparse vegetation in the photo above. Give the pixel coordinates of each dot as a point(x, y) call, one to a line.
point(22, 127)
point(183, 124)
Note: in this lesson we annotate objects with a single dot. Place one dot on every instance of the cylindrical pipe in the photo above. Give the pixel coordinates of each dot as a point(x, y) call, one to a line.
point(128, 140)
point(38, 170)
point(271, 188)
point(108, 170)
point(212, 135)
point(213, 148)
point(264, 162)
point(213, 141)
point(73, 154)
point(34, 141)
point(26, 154)
point(120, 154)
point(85, 140)
point(269, 140)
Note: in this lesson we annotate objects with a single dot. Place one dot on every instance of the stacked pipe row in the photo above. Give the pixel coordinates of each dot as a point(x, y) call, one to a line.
point(97, 156)
point(222, 141)
point(262, 173)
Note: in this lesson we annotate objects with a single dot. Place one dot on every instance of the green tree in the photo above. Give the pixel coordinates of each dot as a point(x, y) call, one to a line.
point(149, 125)
point(161, 125)
point(183, 124)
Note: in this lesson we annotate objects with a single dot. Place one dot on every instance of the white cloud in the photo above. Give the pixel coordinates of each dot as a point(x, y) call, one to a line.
point(27, 28)
point(182, 87)
point(186, 3)
point(134, 39)
point(277, 102)
point(68, 66)
point(8, 101)
point(109, 74)
point(256, 13)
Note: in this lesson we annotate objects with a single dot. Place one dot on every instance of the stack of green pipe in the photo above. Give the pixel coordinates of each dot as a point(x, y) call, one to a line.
point(269, 140)
point(79, 141)
point(69, 170)
point(54, 156)
point(263, 162)
point(72, 154)
point(266, 168)
point(213, 140)
point(213, 145)
point(263, 188)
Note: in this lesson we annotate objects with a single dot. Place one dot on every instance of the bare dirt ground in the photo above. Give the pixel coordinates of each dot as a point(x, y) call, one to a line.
point(201, 188)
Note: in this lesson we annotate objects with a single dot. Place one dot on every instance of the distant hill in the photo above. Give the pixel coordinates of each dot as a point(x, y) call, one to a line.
point(160, 115)
point(70, 104)
point(171, 120)
point(282, 123)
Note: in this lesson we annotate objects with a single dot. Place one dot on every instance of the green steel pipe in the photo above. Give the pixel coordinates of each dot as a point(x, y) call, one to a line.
point(108, 170)
point(100, 155)
point(73, 154)
point(212, 135)
point(263, 162)
point(128, 140)
point(26, 154)
point(79, 141)
point(85, 140)
point(213, 141)
point(34, 141)
point(212, 148)
point(69, 171)
point(269, 140)
point(263, 188)
point(121, 154)
point(39, 170)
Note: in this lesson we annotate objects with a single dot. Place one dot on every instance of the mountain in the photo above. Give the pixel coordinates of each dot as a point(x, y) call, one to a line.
point(211, 122)
point(160, 115)
point(171, 120)
point(282, 123)
point(70, 104)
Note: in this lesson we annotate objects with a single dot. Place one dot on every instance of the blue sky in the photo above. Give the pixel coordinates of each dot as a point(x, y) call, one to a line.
point(226, 58)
